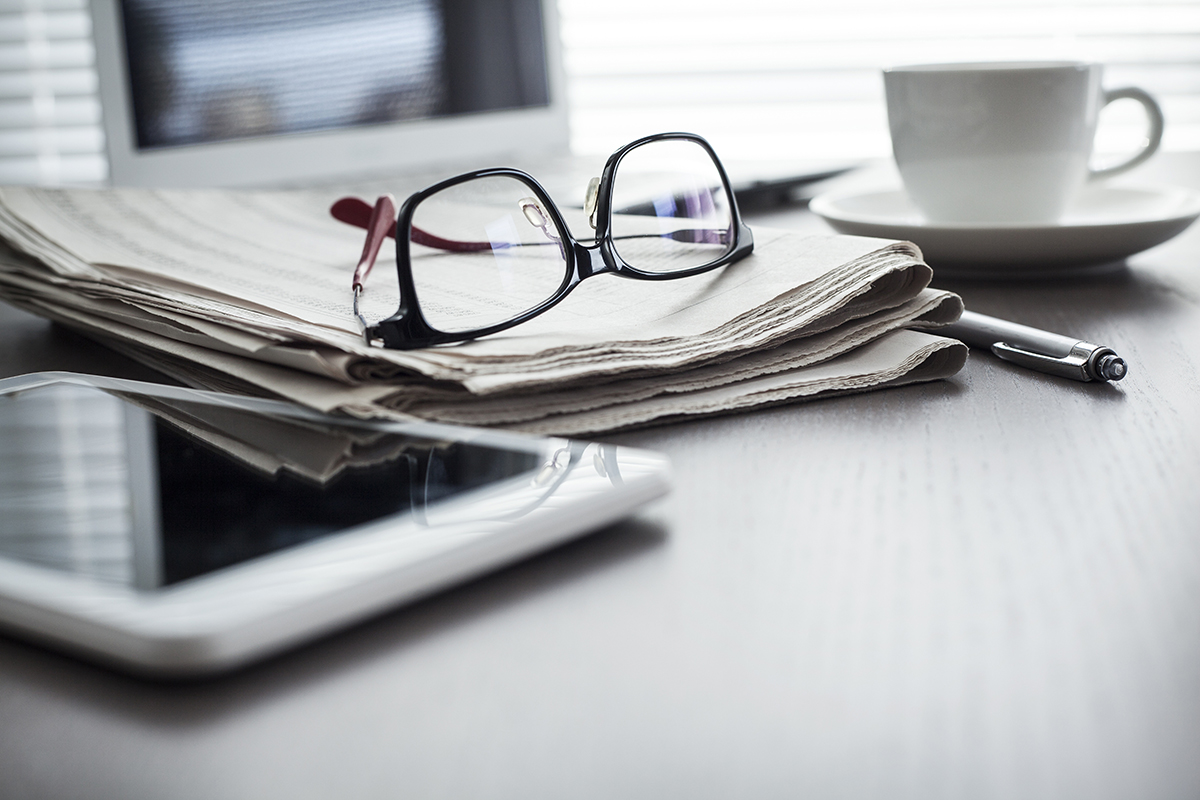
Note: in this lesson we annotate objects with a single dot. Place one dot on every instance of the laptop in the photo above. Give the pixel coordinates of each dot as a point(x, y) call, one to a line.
point(303, 93)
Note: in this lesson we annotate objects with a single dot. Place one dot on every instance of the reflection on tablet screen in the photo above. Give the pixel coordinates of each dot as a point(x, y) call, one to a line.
point(154, 493)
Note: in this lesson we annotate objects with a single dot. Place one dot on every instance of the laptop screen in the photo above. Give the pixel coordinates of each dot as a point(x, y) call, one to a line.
point(202, 72)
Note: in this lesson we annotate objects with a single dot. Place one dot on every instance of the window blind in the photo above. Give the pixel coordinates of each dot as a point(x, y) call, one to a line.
point(800, 78)
point(760, 78)
point(49, 111)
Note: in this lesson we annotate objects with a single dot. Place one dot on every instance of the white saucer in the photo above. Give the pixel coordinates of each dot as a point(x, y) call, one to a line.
point(1105, 224)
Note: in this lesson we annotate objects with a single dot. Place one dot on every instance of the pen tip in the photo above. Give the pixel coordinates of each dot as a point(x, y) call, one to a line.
point(1112, 368)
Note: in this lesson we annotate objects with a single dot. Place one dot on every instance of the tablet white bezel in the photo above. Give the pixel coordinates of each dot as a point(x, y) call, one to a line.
point(290, 159)
point(227, 618)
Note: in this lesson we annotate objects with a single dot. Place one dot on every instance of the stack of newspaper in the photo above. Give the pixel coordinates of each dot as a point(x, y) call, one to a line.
point(250, 292)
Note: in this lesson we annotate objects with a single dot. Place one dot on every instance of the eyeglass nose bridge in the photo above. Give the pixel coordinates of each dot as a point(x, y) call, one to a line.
point(589, 260)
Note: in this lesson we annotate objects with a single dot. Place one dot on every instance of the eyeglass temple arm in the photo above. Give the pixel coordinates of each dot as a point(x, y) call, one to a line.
point(686, 235)
point(380, 220)
point(357, 212)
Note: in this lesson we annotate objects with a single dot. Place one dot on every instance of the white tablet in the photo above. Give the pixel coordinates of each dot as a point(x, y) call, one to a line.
point(170, 531)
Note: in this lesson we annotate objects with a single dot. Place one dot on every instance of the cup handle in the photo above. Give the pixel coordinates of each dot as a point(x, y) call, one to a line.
point(1154, 116)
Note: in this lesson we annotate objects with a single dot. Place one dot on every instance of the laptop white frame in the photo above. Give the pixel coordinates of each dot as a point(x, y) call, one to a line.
point(321, 156)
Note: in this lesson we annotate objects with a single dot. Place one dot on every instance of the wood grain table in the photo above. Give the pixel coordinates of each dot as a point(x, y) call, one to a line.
point(986, 587)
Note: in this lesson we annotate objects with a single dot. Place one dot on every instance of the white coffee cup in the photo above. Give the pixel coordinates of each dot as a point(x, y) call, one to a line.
point(1002, 142)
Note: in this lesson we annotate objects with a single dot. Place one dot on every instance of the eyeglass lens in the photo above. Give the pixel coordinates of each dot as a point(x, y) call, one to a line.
point(483, 252)
point(670, 208)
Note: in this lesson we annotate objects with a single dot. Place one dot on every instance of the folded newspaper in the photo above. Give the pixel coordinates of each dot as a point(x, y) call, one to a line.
point(250, 292)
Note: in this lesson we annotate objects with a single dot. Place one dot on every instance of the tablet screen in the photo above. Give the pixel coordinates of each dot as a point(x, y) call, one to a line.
point(149, 493)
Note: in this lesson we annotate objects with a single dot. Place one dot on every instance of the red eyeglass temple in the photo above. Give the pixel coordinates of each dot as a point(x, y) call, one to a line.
point(379, 223)
point(358, 212)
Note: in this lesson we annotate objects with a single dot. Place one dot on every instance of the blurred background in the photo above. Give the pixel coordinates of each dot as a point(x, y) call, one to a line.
point(762, 79)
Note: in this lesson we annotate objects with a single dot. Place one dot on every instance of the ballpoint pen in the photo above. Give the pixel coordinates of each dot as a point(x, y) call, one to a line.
point(1052, 353)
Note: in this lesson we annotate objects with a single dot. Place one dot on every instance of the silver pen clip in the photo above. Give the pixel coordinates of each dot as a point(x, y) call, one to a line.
point(1085, 361)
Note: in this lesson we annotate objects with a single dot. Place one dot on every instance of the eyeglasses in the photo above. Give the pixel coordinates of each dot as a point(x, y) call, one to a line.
point(487, 250)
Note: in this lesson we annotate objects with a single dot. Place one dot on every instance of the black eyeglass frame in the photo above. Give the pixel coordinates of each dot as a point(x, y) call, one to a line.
point(408, 329)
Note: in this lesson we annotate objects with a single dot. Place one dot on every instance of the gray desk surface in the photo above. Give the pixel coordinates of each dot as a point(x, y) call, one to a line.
point(987, 587)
